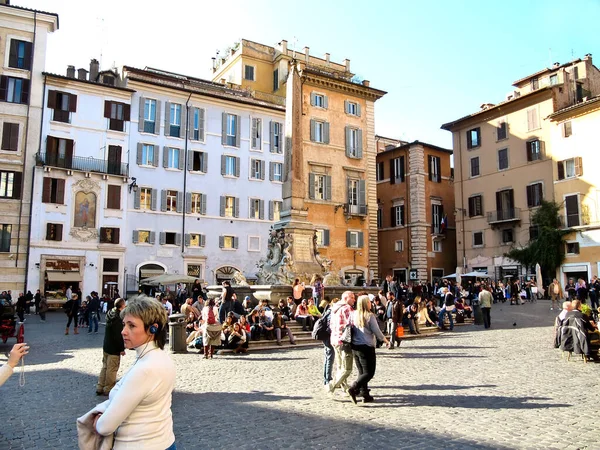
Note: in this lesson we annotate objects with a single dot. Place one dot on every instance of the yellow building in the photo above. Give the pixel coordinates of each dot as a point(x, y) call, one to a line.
point(330, 125)
point(575, 134)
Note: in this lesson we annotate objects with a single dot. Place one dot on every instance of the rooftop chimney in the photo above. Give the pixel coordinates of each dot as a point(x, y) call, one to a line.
point(347, 64)
point(306, 54)
point(94, 69)
point(327, 55)
point(556, 64)
point(588, 56)
point(82, 74)
point(223, 81)
point(366, 83)
point(71, 71)
point(283, 45)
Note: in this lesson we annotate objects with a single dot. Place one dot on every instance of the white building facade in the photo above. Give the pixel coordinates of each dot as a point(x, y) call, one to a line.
point(80, 185)
point(207, 160)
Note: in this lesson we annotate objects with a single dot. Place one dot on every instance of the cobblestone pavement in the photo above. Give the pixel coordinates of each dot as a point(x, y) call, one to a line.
point(473, 388)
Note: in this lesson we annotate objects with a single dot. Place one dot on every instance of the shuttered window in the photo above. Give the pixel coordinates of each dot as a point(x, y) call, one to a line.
point(570, 168)
point(10, 184)
point(117, 114)
point(474, 138)
point(532, 119)
point(113, 197)
point(475, 166)
point(435, 168)
point(572, 210)
point(534, 150)
point(10, 136)
point(54, 231)
point(53, 191)
point(62, 105)
point(535, 195)
point(110, 235)
point(475, 206)
point(19, 55)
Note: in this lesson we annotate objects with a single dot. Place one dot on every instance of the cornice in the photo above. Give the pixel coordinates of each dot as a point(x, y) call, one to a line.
point(355, 90)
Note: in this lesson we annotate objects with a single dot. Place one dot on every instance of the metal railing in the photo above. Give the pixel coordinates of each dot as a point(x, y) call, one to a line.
point(82, 164)
point(504, 215)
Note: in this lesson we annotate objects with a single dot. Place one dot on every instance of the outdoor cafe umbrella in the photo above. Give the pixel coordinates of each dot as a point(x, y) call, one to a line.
point(165, 279)
point(538, 279)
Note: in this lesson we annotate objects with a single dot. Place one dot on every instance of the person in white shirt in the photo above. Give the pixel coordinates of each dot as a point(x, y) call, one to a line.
point(138, 409)
point(69, 293)
point(167, 305)
point(15, 355)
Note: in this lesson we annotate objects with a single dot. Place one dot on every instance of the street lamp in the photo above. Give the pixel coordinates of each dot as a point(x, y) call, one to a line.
point(133, 185)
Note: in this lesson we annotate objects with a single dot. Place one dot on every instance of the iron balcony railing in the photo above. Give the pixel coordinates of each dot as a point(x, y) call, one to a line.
point(82, 164)
point(504, 215)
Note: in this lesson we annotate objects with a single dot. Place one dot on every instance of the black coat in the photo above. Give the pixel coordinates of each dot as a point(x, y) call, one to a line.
point(113, 341)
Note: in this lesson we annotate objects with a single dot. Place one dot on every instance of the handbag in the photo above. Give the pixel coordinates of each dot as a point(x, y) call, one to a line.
point(399, 331)
point(88, 438)
point(346, 338)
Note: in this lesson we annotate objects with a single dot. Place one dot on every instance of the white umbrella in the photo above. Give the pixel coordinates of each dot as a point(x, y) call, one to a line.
point(458, 275)
point(538, 279)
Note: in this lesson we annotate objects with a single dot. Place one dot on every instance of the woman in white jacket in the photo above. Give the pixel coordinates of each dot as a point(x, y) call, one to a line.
point(138, 410)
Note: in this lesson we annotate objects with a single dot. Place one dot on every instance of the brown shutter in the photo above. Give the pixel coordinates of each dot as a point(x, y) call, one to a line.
point(49, 231)
point(69, 153)
point(17, 183)
point(14, 136)
point(126, 112)
point(47, 190)
point(3, 87)
point(471, 206)
point(116, 235)
point(529, 196)
point(72, 103)
point(392, 174)
point(529, 145)
point(12, 55)
point(52, 99)
point(578, 166)
point(6, 136)
point(107, 108)
point(103, 235)
point(25, 92)
point(60, 192)
point(114, 197)
point(58, 230)
point(429, 161)
point(561, 170)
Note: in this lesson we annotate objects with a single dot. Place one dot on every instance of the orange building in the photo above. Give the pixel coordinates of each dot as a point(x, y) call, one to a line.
point(415, 216)
point(330, 149)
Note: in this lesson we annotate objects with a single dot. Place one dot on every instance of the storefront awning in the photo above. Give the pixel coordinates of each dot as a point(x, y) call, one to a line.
point(147, 273)
point(63, 276)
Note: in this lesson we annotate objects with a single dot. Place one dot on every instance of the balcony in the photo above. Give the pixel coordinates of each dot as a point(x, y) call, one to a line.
point(356, 210)
point(83, 164)
point(504, 216)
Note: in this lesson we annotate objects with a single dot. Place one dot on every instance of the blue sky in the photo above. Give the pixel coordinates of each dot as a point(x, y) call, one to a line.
point(438, 60)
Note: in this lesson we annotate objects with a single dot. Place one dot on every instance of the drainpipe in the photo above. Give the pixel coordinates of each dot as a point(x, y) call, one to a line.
point(408, 214)
point(185, 170)
point(462, 200)
point(25, 161)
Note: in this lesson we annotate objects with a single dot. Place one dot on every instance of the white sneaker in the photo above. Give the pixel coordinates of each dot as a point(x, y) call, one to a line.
point(551, 309)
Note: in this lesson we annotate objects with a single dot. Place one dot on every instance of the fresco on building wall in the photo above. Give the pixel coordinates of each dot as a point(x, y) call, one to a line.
point(85, 210)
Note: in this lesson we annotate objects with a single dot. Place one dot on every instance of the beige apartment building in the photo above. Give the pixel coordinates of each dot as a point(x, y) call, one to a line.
point(23, 38)
point(330, 182)
point(506, 163)
point(575, 134)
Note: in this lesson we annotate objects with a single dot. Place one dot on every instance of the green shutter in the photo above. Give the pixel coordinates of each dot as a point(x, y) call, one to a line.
point(157, 118)
point(224, 128)
point(328, 187)
point(348, 149)
point(326, 132)
point(154, 199)
point(163, 200)
point(188, 202)
point(222, 206)
point(311, 185)
point(312, 130)
point(359, 143)
point(238, 128)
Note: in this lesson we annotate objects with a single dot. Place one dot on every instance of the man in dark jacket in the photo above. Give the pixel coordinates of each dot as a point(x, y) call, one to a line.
point(396, 319)
point(113, 349)
point(94, 312)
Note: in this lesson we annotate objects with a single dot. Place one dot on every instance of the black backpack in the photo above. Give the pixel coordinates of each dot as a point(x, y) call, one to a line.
point(321, 330)
point(449, 300)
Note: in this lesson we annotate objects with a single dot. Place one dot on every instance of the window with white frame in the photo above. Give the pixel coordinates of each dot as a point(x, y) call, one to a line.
point(398, 216)
point(171, 201)
point(319, 128)
point(148, 155)
point(175, 120)
point(354, 239)
point(228, 242)
point(198, 124)
point(256, 134)
point(277, 210)
point(570, 168)
point(172, 158)
point(256, 208)
point(145, 198)
point(353, 192)
point(230, 165)
point(229, 206)
point(353, 142)
point(143, 236)
point(231, 131)
point(196, 240)
point(256, 169)
point(196, 203)
point(277, 174)
point(437, 245)
point(352, 108)
point(322, 237)
point(276, 137)
point(319, 101)
point(149, 115)
point(320, 187)
point(478, 239)
point(399, 246)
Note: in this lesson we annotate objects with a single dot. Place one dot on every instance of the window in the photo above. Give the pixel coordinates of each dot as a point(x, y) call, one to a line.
point(475, 206)
point(437, 245)
point(474, 138)
point(231, 130)
point(532, 119)
point(572, 210)
point(276, 137)
point(195, 270)
point(197, 161)
point(62, 104)
point(10, 136)
point(319, 131)
point(5, 232)
point(353, 142)
point(379, 218)
point(478, 239)
point(256, 134)
point(322, 237)
point(53, 191)
point(10, 184)
point(230, 206)
point(398, 216)
point(249, 73)
point(149, 116)
point(503, 159)
point(276, 171)
point(110, 265)
point(197, 127)
point(171, 200)
point(435, 169)
point(379, 172)
point(170, 238)
point(257, 169)
point(352, 108)
point(437, 215)
point(507, 236)
point(534, 232)
point(230, 166)
point(196, 240)
point(143, 237)
point(354, 239)
point(172, 158)
point(59, 152)
point(475, 167)
point(399, 246)
point(535, 84)
point(501, 131)
point(505, 205)
point(197, 203)
point(570, 168)
point(117, 114)
point(357, 202)
point(147, 155)
point(275, 210)
point(553, 79)
point(397, 170)
point(14, 90)
point(229, 242)
point(257, 209)
point(145, 198)
point(572, 248)
point(54, 231)
point(318, 100)
point(113, 197)
point(109, 235)
point(535, 195)
point(534, 150)
point(567, 130)
point(19, 56)
point(174, 120)
point(275, 80)
point(319, 186)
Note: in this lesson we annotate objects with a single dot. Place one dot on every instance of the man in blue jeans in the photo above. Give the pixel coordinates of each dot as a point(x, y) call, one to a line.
point(447, 309)
point(94, 312)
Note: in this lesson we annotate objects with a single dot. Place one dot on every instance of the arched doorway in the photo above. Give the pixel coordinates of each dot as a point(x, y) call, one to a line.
point(148, 270)
point(224, 273)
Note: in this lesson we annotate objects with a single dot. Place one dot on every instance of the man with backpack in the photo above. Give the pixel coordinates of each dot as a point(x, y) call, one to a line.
point(395, 311)
point(322, 332)
point(447, 309)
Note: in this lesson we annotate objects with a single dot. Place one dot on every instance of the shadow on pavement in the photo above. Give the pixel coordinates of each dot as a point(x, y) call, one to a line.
point(429, 355)
point(465, 401)
point(435, 387)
